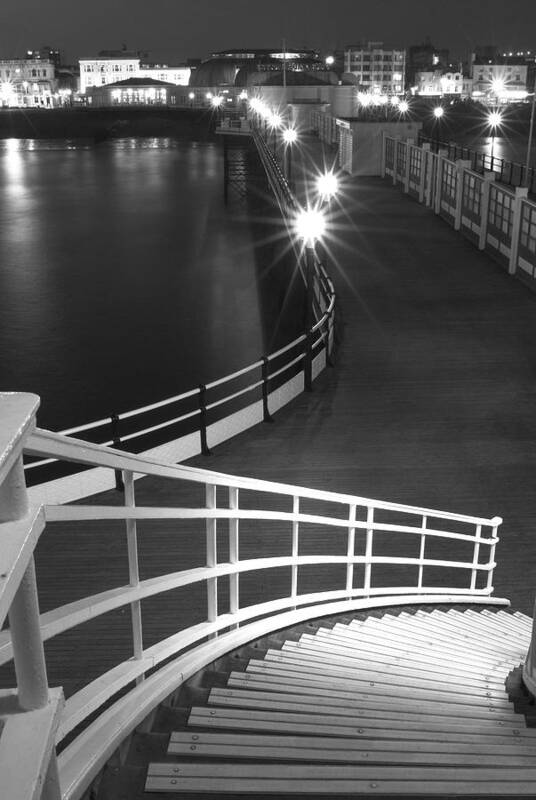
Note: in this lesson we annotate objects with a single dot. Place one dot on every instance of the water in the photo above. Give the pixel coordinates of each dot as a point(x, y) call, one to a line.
point(124, 278)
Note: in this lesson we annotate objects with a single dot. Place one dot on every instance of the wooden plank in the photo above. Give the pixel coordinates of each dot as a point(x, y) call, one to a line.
point(397, 720)
point(478, 633)
point(412, 624)
point(317, 725)
point(458, 638)
point(423, 713)
point(354, 745)
point(261, 751)
point(324, 694)
point(405, 642)
point(384, 673)
point(377, 687)
point(480, 624)
point(426, 665)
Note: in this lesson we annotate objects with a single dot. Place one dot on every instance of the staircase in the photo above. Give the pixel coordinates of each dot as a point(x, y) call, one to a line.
point(420, 702)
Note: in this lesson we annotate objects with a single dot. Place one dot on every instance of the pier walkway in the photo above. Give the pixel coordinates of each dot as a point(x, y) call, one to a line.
point(431, 402)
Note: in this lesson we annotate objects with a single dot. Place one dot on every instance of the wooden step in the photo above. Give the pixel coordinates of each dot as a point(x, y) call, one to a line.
point(389, 698)
point(423, 714)
point(316, 748)
point(329, 779)
point(254, 719)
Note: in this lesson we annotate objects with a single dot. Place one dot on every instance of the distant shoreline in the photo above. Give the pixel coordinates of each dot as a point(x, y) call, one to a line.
point(106, 123)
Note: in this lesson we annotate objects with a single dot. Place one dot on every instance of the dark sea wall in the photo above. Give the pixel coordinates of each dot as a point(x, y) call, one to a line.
point(104, 123)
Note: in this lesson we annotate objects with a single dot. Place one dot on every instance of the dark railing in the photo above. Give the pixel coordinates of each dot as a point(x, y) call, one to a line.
point(510, 173)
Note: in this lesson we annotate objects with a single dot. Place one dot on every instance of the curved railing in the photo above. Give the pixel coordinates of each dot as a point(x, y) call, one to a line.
point(184, 425)
point(324, 553)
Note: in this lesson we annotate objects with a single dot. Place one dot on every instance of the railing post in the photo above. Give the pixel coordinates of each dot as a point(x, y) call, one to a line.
point(438, 181)
point(395, 158)
point(489, 178)
point(421, 552)
point(368, 550)
point(234, 596)
point(476, 555)
point(496, 521)
point(266, 416)
point(405, 180)
point(384, 154)
point(350, 551)
point(28, 651)
point(425, 149)
point(520, 195)
point(308, 358)
point(212, 558)
point(295, 545)
point(116, 438)
point(133, 569)
point(461, 166)
point(203, 420)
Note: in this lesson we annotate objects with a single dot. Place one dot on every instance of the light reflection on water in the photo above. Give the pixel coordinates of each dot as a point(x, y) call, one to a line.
point(123, 276)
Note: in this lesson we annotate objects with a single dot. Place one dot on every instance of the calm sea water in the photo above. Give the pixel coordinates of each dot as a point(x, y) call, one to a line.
point(124, 278)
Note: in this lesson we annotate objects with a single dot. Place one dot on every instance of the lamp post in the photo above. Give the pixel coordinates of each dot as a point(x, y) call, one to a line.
point(289, 138)
point(310, 226)
point(438, 113)
point(274, 122)
point(531, 129)
point(494, 121)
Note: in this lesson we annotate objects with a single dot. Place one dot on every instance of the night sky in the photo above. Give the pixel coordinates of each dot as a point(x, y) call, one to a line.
point(174, 30)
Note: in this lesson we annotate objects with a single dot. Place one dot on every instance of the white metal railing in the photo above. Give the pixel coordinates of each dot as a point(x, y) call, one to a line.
point(439, 557)
point(203, 417)
point(497, 218)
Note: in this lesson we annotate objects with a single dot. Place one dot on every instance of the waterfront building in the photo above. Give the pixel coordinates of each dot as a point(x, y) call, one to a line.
point(131, 92)
point(246, 67)
point(499, 80)
point(114, 66)
point(27, 83)
point(439, 82)
point(423, 58)
point(378, 70)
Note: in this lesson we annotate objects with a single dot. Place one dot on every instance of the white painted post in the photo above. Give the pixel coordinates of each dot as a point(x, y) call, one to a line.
point(489, 178)
point(133, 569)
point(425, 149)
point(18, 417)
point(384, 154)
point(496, 521)
point(395, 158)
point(476, 554)
point(461, 166)
point(212, 557)
point(351, 550)
point(441, 156)
point(295, 541)
point(368, 549)
point(405, 181)
point(521, 194)
point(421, 553)
point(234, 601)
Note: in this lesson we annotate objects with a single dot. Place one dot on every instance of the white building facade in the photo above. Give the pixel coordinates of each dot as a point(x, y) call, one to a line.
point(438, 83)
point(377, 70)
point(27, 83)
point(106, 69)
point(499, 83)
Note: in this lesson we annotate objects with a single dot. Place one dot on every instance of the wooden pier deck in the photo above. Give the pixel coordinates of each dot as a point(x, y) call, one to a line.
point(431, 402)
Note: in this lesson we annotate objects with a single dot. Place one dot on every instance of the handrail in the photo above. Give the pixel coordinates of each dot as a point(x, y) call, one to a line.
point(270, 372)
point(465, 575)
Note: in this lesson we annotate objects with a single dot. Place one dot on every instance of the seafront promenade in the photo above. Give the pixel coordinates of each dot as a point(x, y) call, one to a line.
point(430, 403)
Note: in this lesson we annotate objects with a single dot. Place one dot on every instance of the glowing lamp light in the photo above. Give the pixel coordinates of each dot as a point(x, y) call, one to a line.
point(191, 96)
point(395, 101)
point(438, 112)
point(243, 95)
point(403, 106)
point(289, 135)
point(327, 185)
point(498, 86)
point(275, 120)
point(310, 225)
point(330, 61)
point(209, 95)
point(216, 101)
point(494, 118)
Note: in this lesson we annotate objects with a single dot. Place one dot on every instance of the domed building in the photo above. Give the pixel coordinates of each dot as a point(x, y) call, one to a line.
point(243, 68)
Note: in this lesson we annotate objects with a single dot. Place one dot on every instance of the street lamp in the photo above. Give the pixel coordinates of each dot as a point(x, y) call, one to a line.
point(310, 226)
point(403, 106)
point(494, 121)
point(289, 138)
point(438, 114)
point(327, 185)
